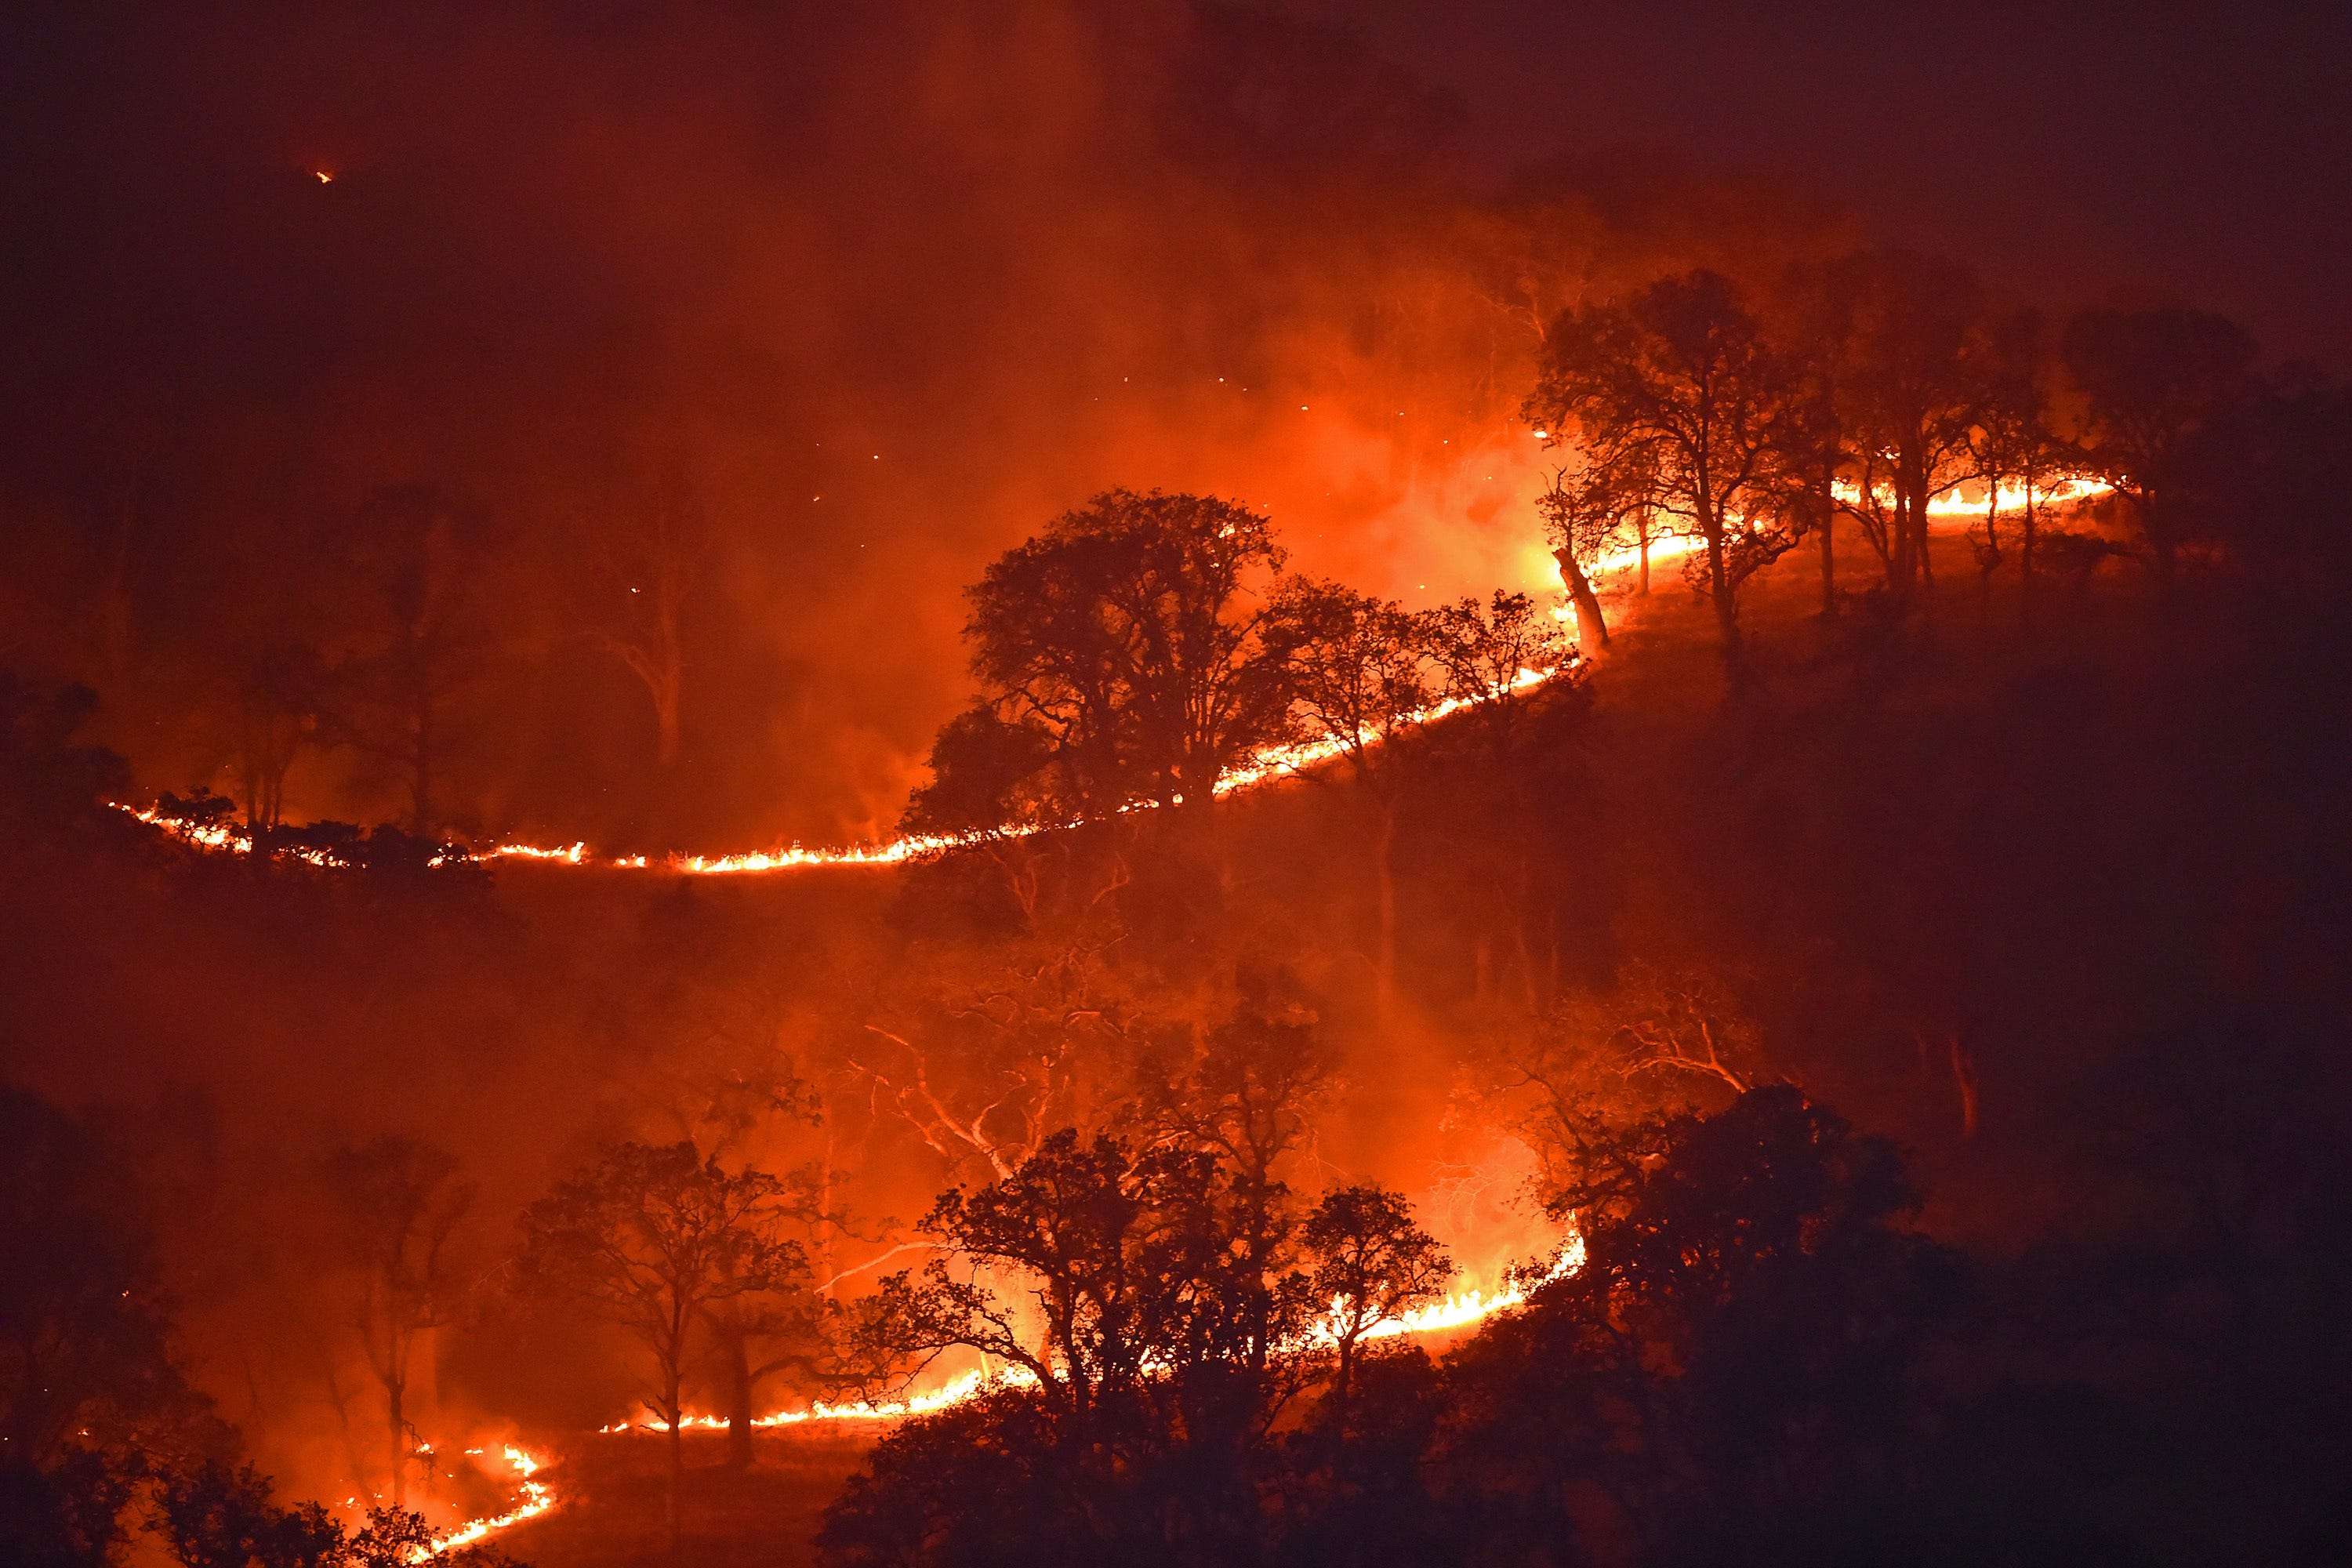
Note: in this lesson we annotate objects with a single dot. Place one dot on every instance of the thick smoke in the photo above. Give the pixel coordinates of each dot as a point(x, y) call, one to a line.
point(868, 295)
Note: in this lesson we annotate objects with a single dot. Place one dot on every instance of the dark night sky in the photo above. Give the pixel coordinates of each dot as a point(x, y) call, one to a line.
point(2195, 150)
point(2199, 152)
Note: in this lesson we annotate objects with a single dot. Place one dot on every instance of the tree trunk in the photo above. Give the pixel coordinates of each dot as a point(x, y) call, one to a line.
point(676, 1417)
point(420, 819)
point(739, 1399)
point(2025, 562)
point(1910, 519)
point(1989, 562)
point(1828, 504)
point(666, 721)
point(396, 1424)
point(1643, 542)
point(1579, 589)
point(1727, 611)
point(1343, 1382)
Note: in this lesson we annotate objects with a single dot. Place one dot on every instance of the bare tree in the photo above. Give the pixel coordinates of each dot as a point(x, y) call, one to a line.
point(1653, 1041)
point(650, 562)
point(401, 1204)
point(984, 1054)
point(416, 571)
point(281, 699)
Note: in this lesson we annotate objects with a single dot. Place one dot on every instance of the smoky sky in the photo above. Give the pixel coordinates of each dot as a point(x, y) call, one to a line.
point(2191, 153)
point(895, 284)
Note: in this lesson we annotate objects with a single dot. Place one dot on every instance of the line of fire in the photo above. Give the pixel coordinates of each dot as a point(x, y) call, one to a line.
point(1194, 783)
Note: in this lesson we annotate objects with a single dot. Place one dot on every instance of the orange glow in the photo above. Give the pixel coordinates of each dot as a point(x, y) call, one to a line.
point(537, 1498)
point(1274, 763)
point(1455, 1311)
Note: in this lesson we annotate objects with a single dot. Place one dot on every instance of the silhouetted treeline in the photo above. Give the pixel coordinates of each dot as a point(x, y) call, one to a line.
point(1752, 1356)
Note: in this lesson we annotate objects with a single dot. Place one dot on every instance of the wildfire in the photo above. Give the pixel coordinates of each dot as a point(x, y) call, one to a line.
point(1274, 762)
point(1455, 1311)
point(537, 1498)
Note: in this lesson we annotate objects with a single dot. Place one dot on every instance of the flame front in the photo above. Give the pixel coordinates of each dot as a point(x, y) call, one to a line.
point(537, 1498)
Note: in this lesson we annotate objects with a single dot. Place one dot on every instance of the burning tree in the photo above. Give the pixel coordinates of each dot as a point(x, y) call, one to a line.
point(1677, 401)
point(1586, 516)
point(652, 1238)
point(400, 1203)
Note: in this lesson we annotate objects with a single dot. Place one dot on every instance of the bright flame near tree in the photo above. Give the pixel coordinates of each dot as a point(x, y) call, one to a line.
point(1271, 763)
point(1455, 1311)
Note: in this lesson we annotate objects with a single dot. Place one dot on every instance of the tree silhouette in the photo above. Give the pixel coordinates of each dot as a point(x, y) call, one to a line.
point(1909, 386)
point(1130, 635)
point(1675, 398)
point(400, 1203)
point(1358, 677)
point(650, 560)
point(415, 568)
point(652, 1238)
point(1247, 1098)
point(49, 782)
point(216, 1517)
point(2015, 436)
point(86, 1360)
point(2150, 381)
point(1586, 515)
point(1373, 1264)
point(1159, 1359)
point(281, 698)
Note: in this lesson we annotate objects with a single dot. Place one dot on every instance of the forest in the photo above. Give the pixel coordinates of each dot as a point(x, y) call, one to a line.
point(1670, 889)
